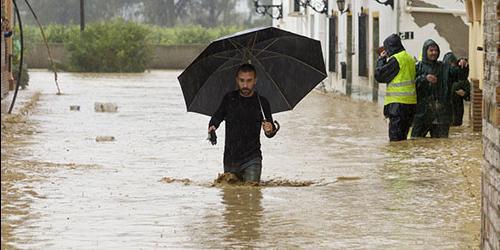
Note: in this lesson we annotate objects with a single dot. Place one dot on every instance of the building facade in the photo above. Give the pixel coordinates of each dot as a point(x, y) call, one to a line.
point(484, 16)
point(476, 59)
point(350, 38)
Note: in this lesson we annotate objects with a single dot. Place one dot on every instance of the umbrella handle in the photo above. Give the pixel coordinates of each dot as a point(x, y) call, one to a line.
point(277, 126)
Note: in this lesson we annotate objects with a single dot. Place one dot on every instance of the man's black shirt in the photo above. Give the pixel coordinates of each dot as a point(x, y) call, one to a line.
point(243, 118)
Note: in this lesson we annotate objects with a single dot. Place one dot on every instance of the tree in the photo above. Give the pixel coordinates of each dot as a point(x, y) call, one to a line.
point(68, 11)
point(211, 13)
point(160, 12)
point(169, 13)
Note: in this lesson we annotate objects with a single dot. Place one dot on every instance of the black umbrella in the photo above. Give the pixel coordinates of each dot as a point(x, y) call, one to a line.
point(288, 67)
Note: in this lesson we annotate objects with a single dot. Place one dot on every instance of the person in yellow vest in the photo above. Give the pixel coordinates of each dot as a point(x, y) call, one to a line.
point(396, 67)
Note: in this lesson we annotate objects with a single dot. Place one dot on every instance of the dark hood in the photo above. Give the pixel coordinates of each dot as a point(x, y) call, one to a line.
point(393, 45)
point(428, 43)
point(449, 58)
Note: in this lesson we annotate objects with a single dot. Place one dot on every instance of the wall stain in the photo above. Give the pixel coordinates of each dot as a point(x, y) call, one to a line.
point(450, 27)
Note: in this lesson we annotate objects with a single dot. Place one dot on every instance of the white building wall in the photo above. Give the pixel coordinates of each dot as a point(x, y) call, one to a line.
point(414, 46)
point(315, 25)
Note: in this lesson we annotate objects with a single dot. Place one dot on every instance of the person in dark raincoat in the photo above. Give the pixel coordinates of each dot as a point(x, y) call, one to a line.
point(459, 90)
point(433, 93)
point(397, 68)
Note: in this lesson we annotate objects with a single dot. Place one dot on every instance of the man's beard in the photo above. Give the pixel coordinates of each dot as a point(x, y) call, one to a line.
point(245, 91)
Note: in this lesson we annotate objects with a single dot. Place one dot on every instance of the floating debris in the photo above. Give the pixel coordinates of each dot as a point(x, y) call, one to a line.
point(184, 181)
point(348, 178)
point(105, 107)
point(74, 108)
point(104, 138)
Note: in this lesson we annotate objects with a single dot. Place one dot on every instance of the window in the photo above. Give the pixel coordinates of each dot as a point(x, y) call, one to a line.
point(296, 5)
point(363, 45)
point(333, 41)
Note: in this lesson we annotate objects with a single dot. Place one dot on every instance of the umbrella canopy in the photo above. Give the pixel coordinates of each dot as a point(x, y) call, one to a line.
point(288, 67)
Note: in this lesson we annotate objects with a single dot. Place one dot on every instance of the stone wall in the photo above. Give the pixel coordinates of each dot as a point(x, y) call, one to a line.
point(164, 57)
point(490, 218)
point(38, 57)
point(174, 56)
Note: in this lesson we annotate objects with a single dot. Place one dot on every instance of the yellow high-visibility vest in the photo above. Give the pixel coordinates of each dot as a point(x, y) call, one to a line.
point(402, 88)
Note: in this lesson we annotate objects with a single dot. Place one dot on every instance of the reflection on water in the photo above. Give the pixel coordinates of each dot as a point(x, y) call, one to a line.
point(365, 192)
point(242, 215)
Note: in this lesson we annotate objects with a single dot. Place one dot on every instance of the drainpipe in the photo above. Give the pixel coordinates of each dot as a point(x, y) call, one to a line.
point(398, 13)
point(82, 15)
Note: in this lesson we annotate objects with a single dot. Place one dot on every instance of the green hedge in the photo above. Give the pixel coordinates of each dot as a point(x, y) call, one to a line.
point(189, 34)
point(192, 34)
point(57, 33)
point(115, 46)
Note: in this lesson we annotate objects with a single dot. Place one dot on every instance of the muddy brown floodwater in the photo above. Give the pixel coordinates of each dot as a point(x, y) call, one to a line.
point(330, 178)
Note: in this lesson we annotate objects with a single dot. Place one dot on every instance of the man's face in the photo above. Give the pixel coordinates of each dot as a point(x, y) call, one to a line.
point(432, 53)
point(246, 82)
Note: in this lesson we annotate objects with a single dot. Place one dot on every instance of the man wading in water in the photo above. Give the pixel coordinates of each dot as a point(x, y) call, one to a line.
point(243, 111)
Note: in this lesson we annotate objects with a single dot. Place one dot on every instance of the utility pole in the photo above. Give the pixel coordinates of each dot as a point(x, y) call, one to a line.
point(82, 15)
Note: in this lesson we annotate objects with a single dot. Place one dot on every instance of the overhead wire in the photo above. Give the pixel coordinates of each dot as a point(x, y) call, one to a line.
point(52, 64)
point(21, 58)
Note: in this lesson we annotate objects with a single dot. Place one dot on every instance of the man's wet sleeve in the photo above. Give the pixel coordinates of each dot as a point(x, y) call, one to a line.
point(219, 115)
point(421, 80)
point(386, 70)
point(458, 72)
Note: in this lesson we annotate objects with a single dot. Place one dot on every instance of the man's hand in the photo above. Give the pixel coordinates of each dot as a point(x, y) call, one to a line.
point(431, 78)
point(212, 137)
point(383, 53)
point(211, 128)
point(463, 63)
point(268, 127)
point(460, 92)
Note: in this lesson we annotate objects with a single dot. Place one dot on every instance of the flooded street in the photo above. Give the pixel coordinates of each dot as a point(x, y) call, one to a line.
point(61, 189)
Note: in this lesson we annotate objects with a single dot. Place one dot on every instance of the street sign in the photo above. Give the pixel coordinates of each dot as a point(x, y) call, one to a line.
point(408, 35)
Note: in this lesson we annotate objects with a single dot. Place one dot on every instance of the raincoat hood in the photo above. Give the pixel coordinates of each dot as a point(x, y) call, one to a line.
point(449, 58)
point(427, 44)
point(393, 45)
